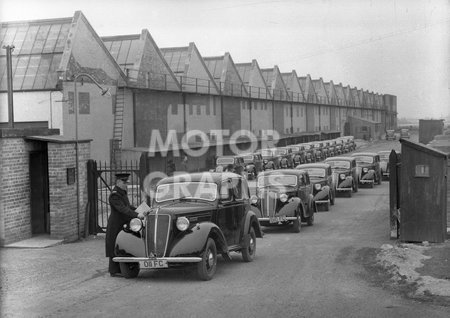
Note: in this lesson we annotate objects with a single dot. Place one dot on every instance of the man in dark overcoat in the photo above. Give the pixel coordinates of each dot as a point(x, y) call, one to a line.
point(121, 213)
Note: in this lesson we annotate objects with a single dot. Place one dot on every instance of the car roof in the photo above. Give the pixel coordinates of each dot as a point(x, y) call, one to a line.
point(341, 158)
point(296, 172)
point(363, 154)
point(215, 177)
point(313, 165)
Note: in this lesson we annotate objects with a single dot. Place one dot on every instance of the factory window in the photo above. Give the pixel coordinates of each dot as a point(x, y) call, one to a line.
point(191, 109)
point(199, 109)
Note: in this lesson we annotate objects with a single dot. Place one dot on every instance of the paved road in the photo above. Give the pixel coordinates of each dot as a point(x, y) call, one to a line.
point(315, 273)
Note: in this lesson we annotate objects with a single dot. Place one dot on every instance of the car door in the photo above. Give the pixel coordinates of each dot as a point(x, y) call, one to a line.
point(228, 211)
point(303, 191)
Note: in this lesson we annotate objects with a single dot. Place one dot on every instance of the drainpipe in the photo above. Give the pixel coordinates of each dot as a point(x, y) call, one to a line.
point(9, 75)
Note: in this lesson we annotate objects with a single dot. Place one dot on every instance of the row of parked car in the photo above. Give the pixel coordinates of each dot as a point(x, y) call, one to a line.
point(197, 217)
point(288, 157)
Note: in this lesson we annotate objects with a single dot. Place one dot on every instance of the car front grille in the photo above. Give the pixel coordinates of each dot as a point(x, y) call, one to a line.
point(157, 234)
point(268, 203)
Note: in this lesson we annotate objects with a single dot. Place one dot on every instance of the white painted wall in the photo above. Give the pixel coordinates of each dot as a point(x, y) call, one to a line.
point(34, 106)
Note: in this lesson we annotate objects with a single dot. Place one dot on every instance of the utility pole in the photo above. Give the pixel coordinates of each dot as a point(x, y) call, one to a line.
point(9, 75)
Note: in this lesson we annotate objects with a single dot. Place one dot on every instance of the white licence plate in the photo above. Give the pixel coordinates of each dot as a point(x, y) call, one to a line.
point(154, 263)
point(277, 219)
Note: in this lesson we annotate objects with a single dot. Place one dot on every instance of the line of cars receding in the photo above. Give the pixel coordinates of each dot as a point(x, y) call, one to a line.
point(196, 217)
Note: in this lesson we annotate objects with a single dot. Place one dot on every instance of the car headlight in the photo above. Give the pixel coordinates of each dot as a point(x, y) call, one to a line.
point(253, 199)
point(317, 186)
point(365, 170)
point(342, 176)
point(283, 197)
point(136, 225)
point(182, 223)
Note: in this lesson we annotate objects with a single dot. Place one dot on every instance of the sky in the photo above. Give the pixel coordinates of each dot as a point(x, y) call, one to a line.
point(398, 47)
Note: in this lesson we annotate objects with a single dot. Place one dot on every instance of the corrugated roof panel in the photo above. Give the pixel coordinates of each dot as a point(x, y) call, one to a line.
point(3, 83)
point(52, 37)
point(176, 58)
point(29, 40)
point(132, 54)
point(41, 75)
point(8, 38)
point(123, 53)
point(19, 39)
point(41, 37)
point(63, 34)
point(52, 77)
point(32, 69)
point(19, 73)
point(2, 34)
point(115, 49)
point(2, 66)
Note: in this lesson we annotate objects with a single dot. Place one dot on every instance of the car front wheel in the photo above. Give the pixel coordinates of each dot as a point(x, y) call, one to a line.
point(129, 270)
point(206, 268)
point(296, 224)
point(249, 250)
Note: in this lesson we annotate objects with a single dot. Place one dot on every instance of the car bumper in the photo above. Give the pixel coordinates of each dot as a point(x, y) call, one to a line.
point(168, 259)
point(366, 181)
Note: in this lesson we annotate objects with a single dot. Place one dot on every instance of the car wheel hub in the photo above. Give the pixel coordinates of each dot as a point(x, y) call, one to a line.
point(210, 259)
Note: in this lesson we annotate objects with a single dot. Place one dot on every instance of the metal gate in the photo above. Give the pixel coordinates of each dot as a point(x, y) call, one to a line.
point(101, 180)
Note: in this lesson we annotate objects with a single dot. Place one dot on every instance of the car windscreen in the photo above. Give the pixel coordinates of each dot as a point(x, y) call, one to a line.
point(281, 151)
point(225, 161)
point(186, 190)
point(277, 180)
point(384, 156)
point(364, 159)
point(339, 164)
point(316, 172)
point(266, 153)
point(248, 159)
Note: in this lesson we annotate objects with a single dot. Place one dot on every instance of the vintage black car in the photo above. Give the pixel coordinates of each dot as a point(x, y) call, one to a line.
point(384, 164)
point(230, 164)
point(253, 164)
point(310, 152)
point(285, 196)
point(368, 166)
point(298, 154)
point(285, 157)
point(345, 174)
point(194, 218)
point(270, 159)
point(318, 147)
point(324, 185)
point(390, 134)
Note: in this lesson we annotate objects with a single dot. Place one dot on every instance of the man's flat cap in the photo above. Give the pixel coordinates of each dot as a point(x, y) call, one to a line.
point(122, 176)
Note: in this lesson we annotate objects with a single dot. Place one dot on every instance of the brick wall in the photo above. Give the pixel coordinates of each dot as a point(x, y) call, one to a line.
point(64, 221)
point(15, 222)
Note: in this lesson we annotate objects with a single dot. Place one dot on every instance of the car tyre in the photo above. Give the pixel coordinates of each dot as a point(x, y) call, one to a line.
point(371, 184)
point(207, 267)
point(249, 251)
point(332, 197)
point(327, 206)
point(129, 270)
point(296, 224)
point(310, 219)
point(349, 193)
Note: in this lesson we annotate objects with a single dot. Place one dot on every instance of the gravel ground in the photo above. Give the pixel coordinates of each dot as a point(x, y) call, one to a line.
point(421, 271)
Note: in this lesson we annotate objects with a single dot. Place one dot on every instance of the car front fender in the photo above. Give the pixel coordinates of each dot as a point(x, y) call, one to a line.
point(370, 175)
point(192, 243)
point(128, 244)
point(290, 208)
point(323, 194)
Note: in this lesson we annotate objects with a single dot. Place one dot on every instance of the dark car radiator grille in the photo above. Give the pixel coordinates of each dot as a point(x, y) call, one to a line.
point(269, 201)
point(157, 244)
